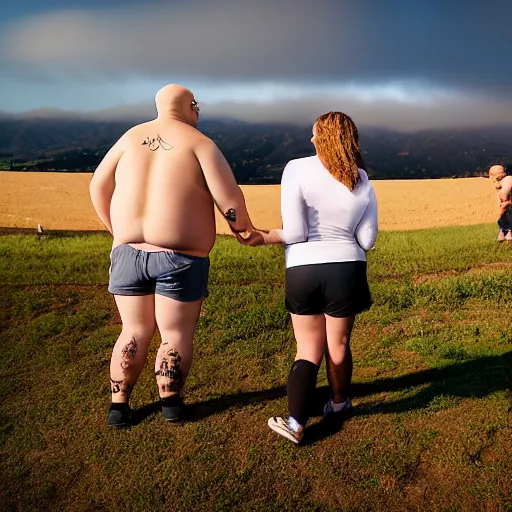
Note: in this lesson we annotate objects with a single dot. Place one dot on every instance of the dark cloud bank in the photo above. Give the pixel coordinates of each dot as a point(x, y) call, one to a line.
point(458, 51)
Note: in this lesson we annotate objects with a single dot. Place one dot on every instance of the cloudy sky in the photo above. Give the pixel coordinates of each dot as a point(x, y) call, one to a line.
point(405, 64)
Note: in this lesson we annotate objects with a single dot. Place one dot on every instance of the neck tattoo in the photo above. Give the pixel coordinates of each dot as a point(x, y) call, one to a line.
point(155, 143)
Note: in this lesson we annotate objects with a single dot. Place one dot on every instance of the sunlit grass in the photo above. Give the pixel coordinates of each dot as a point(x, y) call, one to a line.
point(433, 358)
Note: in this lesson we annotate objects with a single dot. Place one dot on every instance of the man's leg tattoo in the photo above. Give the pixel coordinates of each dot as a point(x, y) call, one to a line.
point(120, 386)
point(128, 354)
point(115, 385)
point(170, 372)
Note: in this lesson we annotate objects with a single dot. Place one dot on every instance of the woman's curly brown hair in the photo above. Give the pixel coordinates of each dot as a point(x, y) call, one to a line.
point(336, 142)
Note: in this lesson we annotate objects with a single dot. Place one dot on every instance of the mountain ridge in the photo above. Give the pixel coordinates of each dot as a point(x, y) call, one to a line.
point(258, 152)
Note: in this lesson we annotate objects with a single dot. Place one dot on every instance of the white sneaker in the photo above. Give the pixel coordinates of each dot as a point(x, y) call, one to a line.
point(283, 428)
point(508, 238)
point(501, 236)
point(329, 409)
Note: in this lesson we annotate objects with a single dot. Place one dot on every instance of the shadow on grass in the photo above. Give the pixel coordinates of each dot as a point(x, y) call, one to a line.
point(140, 414)
point(201, 410)
point(476, 378)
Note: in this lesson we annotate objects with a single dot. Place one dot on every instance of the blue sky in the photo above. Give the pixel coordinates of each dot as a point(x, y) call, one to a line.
point(406, 64)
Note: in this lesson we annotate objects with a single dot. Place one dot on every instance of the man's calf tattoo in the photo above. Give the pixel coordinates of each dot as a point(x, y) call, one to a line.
point(172, 387)
point(170, 369)
point(128, 354)
point(230, 215)
point(115, 385)
point(119, 386)
point(154, 143)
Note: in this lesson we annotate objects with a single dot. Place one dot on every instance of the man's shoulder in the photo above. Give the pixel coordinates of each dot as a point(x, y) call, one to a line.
point(200, 141)
point(136, 130)
point(201, 137)
point(506, 183)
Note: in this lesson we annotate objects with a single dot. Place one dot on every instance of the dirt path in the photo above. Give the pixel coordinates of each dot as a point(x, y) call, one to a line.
point(61, 201)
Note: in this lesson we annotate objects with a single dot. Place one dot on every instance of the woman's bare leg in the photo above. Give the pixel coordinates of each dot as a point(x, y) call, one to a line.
point(339, 356)
point(310, 335)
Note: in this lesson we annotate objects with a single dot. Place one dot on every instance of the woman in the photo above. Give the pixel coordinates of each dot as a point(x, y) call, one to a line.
point(329, 213)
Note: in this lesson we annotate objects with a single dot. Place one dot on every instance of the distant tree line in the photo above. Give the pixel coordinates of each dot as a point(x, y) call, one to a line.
point(258, 153)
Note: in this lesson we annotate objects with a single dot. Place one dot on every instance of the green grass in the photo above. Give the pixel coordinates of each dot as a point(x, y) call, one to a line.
point(431, 427)
point(6, 163)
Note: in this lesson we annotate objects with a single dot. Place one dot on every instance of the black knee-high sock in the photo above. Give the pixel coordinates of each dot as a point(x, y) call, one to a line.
point(301, 389)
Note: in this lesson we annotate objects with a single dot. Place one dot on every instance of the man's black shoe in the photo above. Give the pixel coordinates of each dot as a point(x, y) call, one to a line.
point(172, 408)
point(119, 415)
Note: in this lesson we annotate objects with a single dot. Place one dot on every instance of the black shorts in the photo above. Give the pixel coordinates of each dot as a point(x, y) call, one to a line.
point(336, 289)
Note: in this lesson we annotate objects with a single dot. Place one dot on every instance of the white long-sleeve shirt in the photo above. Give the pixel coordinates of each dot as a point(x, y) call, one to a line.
point(323, 221)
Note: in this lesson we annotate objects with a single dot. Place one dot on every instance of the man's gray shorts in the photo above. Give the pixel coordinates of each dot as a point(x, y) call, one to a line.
point(171, 274)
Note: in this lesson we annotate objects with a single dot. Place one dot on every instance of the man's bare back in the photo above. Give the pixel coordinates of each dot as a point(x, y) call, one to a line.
point(160, 181)
point(161, 199)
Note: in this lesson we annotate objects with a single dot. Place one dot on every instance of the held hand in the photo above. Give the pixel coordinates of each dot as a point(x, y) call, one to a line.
point(243, 229)
point(252, 238)
point(503, 206)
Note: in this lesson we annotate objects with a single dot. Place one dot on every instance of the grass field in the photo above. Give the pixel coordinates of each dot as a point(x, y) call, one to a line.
point(432, 423)
point(61, 201)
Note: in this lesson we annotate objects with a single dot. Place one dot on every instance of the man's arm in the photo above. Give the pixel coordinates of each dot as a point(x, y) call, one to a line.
point(506, 189)
point(504, 207)
point(504, 194)
point(103, 183)
point(223, 187)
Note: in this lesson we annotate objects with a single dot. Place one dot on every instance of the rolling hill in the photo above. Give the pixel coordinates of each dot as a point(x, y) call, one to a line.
point(258, 152)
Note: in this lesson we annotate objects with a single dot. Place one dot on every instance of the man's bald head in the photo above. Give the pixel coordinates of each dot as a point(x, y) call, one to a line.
point(175, 101)
point(497, 173)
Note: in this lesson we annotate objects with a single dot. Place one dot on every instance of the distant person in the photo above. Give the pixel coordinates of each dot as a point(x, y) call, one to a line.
point(503, 184)
point(155, 192)
point(329, 213)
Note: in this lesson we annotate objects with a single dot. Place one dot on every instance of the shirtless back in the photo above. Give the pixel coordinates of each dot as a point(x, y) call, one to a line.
point(155, 189)
point(161, 197)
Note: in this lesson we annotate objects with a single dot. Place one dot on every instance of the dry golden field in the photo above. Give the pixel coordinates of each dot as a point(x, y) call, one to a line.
point(61, 201)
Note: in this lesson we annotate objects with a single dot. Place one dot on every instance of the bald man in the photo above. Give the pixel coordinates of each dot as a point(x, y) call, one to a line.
point(503, 185)
point(155, 192)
